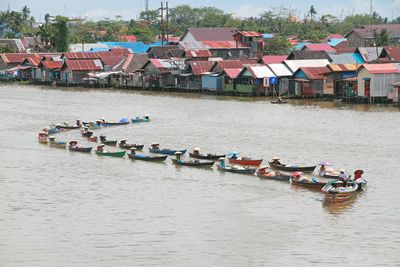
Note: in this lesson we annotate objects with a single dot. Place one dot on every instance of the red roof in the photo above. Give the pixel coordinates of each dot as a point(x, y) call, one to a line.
point(334, 36)
point(50, 64)
point(198, 53)
point(84, 65)
point(200, 67)
point(392, 52)
point(233, 73)
point(235, 64)
point(211, 34)
point(223, 44)
point(320, 47)
point(274, 59)
point(381, 68)
point(111, 60)
point(315, 73)
point(15, 57)
point(81, 55)
point(115, 51)
point(129, 38)
point(250, 34)
point(35, 60)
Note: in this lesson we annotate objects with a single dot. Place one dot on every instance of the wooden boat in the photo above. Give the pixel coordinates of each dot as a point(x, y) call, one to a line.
point(92, 139)
point(104, 140)
point(245, 161)
point(336, 193)
point(138, 119)
point(43, 138)
point(193, 163)
point(118, 154)
point(207, 156)
point(147, 157)
point(278, 102)
point(124, 145)
point(114, 123)
point(66, 126)
point(271, 175)
point(166, 151)
point(87, 133)
point(80, 149)
point(58, 144)
point(235, 169)
point(292, 168)
point(306, 182)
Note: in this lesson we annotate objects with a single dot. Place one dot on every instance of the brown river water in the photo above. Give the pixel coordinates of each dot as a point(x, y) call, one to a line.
point(59, 208)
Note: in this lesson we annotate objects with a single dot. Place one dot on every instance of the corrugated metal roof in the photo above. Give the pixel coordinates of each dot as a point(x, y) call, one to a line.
point(49, 64)
point(111, 60)
point(132, 63)
point(211, 34)
point(320, 47)
point(294, 65)
point(223, 44)
point(200, 67)
point(86, 47)
point(15, 57)
point(193, 45)
point(369, 53)
point(259, 71)
point(269, 59)
point(80, 55)
point(34, 61)
point(315, 73)
point(382, 68)
point(346, 58)
point(392, 52)
point(280, 70)
point(232, 73)
point(336, 41)
point(84, 65)
point(198, 53)
point(235, 64)
point(343, 67)
point(249, 34)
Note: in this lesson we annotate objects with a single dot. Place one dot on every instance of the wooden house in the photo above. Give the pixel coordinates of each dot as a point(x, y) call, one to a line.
point(73, 72)
point(310, 81)
point(375, 80)
point(254, 80)
point(341, 81)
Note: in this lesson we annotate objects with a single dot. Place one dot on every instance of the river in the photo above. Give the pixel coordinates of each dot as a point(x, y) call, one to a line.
point(59, 208)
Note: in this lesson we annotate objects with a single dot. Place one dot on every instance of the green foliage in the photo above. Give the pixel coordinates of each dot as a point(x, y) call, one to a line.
point(60, 33)
point(5, 49)
point(277, 46)
point(383, 38)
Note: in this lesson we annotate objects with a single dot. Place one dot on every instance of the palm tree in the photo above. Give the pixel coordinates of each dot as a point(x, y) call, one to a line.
point(384, 38)
point(25, 12)
point(312, 12)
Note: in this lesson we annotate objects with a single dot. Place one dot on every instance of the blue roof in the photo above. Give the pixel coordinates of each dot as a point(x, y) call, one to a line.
point(98, 49)
point(300, 46)
point(347, 58)
point(358, 58)
point(135, 47)
point(268, 35)
point(336, 41)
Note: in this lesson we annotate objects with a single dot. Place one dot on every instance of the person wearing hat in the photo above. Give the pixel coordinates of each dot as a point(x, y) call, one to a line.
point(155, 146)
point(196, 151)
point(275, 161)
point(322, 170)
point(100, 148)
point(343, 176)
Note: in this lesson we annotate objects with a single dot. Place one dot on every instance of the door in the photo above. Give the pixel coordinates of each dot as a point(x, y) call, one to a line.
point(367, 88)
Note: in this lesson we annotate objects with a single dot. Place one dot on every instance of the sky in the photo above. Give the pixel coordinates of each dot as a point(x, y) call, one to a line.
point(128, 9)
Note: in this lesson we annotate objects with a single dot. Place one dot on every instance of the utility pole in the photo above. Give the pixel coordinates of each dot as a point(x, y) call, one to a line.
point(146, 5)
point(371, 8)
point(164, 23)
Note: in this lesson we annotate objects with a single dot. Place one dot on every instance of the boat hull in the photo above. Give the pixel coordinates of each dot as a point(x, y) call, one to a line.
point(317, 185)
point(166, 151)
point(119, 154)
point(81, 149)
point(281, 177)
point(207, 156)
point(148, 158)
point(233, 170)
point(193, 163)
point(246, 162)
point(292, 168)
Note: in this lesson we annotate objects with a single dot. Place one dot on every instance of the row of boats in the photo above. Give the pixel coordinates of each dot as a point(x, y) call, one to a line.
point(328, 181)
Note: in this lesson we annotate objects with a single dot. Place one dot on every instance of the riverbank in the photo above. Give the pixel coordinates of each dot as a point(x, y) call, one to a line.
point(351, 101)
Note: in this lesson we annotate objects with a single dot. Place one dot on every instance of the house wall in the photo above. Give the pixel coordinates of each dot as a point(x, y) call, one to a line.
point(329, 84)
point(188, 38)
point(212, 82)
point(361, 75)
point(382, 84)
point(354, 40)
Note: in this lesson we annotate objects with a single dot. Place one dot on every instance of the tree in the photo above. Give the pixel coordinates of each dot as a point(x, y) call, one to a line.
point(312, 12)
point(277, 46)
point(25, 13)
point(383, 38)
point(61, 33)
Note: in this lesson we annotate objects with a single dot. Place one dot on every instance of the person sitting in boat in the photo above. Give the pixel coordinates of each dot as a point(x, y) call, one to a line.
point(73, 143)
point(122, 142)
point(178, 155)
point(343, 176)
point(78, 123)
point(146, 117)
point(155, 146)
point(102, 137)
point(276, 161)
point(322, 170)
point(133, 150)
point(100, 148)
point(196, 151)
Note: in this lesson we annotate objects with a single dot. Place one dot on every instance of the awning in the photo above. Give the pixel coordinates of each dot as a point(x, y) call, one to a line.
point(301, 80)
point(366, 78)
point(351, 79)
point(19, 68)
